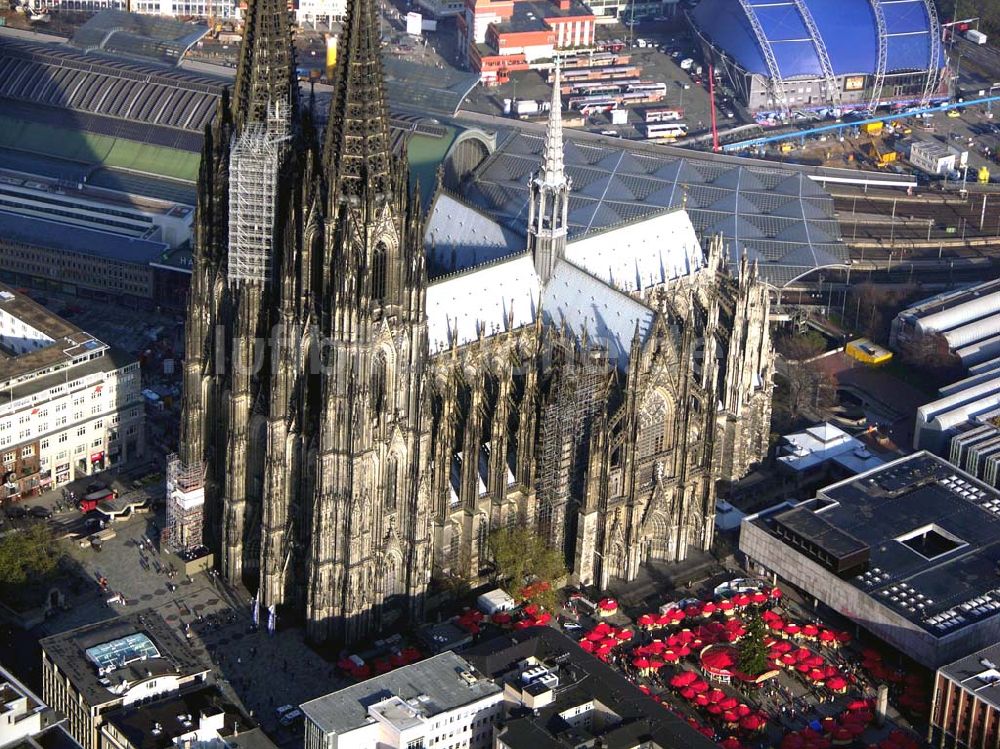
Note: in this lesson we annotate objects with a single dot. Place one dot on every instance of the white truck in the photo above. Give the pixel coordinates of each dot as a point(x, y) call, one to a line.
point(976, 37)
point(687, 63)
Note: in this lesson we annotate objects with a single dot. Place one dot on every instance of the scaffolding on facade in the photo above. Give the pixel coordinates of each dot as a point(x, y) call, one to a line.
point(254, 168)
point(185, 505)
point(577, 393)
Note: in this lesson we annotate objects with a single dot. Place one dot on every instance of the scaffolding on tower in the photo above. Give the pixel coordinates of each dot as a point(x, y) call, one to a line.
point(254, 167)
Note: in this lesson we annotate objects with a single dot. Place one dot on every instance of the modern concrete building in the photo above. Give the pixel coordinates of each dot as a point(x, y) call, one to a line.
point(558, 696)
point(906, 550)
point(933, 157)
point(965, 711)
point(69, 403)
point(91, 672)
point(439, 703)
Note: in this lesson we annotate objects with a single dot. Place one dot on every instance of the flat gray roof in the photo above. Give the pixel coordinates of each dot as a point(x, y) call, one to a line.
point(56, 236)
point(435, 686)
point(979, 673)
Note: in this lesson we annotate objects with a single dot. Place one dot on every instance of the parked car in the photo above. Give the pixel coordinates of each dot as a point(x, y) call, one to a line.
point(282, 711)
point(38, 511)
point(290, 717)
point(16, 512)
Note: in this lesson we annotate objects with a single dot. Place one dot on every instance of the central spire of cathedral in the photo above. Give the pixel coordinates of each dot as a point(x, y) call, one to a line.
point(548, 207)
point(357, 149)
point(265, 76)
point(553, 172)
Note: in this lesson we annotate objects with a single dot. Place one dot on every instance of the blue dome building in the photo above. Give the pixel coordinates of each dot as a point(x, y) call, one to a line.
point(788, 55)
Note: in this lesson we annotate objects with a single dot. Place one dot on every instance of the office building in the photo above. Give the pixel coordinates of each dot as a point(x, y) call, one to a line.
point(69, 403)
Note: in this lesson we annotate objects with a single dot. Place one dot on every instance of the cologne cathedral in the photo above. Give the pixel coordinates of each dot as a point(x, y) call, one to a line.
point(352, 430)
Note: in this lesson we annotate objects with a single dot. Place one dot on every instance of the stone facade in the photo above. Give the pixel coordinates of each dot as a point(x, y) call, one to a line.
point(345, 462)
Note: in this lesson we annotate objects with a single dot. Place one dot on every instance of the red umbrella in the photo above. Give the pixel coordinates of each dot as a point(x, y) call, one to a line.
point(730, 717)
point(831, 670)
point(743, 710)
point(692, 610)
point(656, 646)
point(817, 674)
point(676, 615)
point(827, 635)
point(714, 709)
point(843, 637)
point(683, 651)
point(814, 660)
point(729, 703)
point(670, 656)
point(683, 679)
point(624, 634)
point(609, 642)
point(783, 646)
point(758, 597)
point(775, 592)
point(655, 663)
point(594, 635)
point(644, 689)
point(829, 724)
point(726, 606)
point(709, 608)
point(802, 668)
point(699, 686)
point(642, 663)
point(646, 620)
point(788, 659)
point(836, 683)
point(687, 693)
point(685, 636)
point(608, 604)
point(802, 653)
point(776, 624)
point(792, 628)
point(810, 630)
point(587, 645)
point(531, 609)
point(701, 700)
point(858, 705)
point(501, 617)
point(842, 735)
point(716, 695)
point(741, 599)
point(750, 723)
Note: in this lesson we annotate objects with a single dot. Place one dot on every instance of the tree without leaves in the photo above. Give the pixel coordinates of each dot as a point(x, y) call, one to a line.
point(752, 648)
point(520, 556)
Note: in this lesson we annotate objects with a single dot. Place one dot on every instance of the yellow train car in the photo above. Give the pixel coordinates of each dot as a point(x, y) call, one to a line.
point(867, 352)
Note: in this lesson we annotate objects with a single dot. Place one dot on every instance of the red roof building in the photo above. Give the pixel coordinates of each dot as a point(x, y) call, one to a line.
point(501, 36)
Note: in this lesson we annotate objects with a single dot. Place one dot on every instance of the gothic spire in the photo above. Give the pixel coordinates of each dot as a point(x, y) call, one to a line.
point(553, 172)
point(357, 148)
point(266, 70)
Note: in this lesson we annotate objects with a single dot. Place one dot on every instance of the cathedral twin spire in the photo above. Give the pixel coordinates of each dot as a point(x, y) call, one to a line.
point(265, 75)
point(357, 150)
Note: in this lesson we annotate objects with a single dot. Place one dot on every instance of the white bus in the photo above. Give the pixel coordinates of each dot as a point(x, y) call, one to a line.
point(665, 130)
point(663, 115)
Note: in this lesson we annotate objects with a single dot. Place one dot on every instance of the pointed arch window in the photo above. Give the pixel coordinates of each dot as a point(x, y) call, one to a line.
point(379, 271)
point(391, 486)
point(378, 386)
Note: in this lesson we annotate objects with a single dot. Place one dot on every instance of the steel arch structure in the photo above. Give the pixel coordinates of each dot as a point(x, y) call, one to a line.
point(777, 82)
point(832, 89)
point(883, 53)
point(934, 45)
